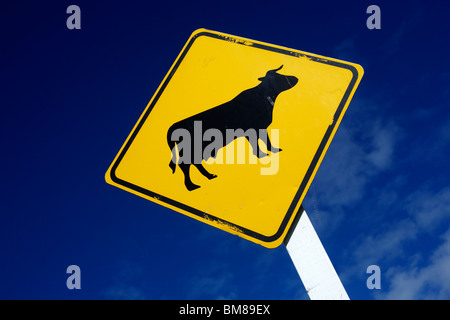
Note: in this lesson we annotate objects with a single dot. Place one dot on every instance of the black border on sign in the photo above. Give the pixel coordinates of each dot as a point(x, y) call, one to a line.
point(308, 174)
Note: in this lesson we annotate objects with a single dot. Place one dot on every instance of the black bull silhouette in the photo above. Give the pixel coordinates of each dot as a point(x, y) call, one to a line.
point(250, 109)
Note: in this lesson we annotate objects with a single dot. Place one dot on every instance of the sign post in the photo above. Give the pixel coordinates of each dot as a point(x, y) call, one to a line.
point(312, 262)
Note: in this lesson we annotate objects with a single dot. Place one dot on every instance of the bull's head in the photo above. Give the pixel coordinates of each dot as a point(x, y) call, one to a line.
point(278, 82)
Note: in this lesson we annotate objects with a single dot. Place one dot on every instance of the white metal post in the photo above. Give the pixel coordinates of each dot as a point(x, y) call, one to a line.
point(311, 261)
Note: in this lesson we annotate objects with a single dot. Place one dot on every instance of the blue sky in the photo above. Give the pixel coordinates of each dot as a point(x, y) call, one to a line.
point(70, 98)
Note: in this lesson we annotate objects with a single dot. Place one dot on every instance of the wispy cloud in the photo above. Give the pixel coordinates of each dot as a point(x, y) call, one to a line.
point(386, 244)
point(429, 209)
point(431, 281)
point(414, 265)
point(356, 155)
point(125, 284)
point(216, 286)
point(368, 170)
point(120, 291)
point(383, 143)
point(216, 282)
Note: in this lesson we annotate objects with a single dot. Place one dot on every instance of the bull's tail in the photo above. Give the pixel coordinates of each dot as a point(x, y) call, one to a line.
point(172, 144)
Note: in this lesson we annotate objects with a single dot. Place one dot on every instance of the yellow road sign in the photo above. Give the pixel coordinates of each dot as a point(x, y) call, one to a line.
point(235, 133)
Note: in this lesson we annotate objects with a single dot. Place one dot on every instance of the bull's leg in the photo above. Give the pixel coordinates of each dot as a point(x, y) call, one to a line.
point(256, 150)
point(187, 179)
point(264, 136)
point(204, 172)
point(269, 145)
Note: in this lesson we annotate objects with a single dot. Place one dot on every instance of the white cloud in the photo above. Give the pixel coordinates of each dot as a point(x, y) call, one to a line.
point(215, 286)
point(383, 143)
point(387, 244)
point(355, 156)
point(126, 282)
point(345, 49)
point(429, 282)
point(124, 292)
point(414, 264)
point(429, 209)
point(344, 156)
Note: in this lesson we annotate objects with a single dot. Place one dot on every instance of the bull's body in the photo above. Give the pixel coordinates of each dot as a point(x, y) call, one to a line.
point(251, 109)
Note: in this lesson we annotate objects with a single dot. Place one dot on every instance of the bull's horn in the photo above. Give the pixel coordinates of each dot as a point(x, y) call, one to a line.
point(269, 72)
point(275, 70)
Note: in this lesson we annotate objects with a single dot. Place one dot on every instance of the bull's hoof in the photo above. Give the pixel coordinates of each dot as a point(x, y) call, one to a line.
point(192, 186)
point(261, 155)
point(212, 176)
point(172, 166)
point(276, 150)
